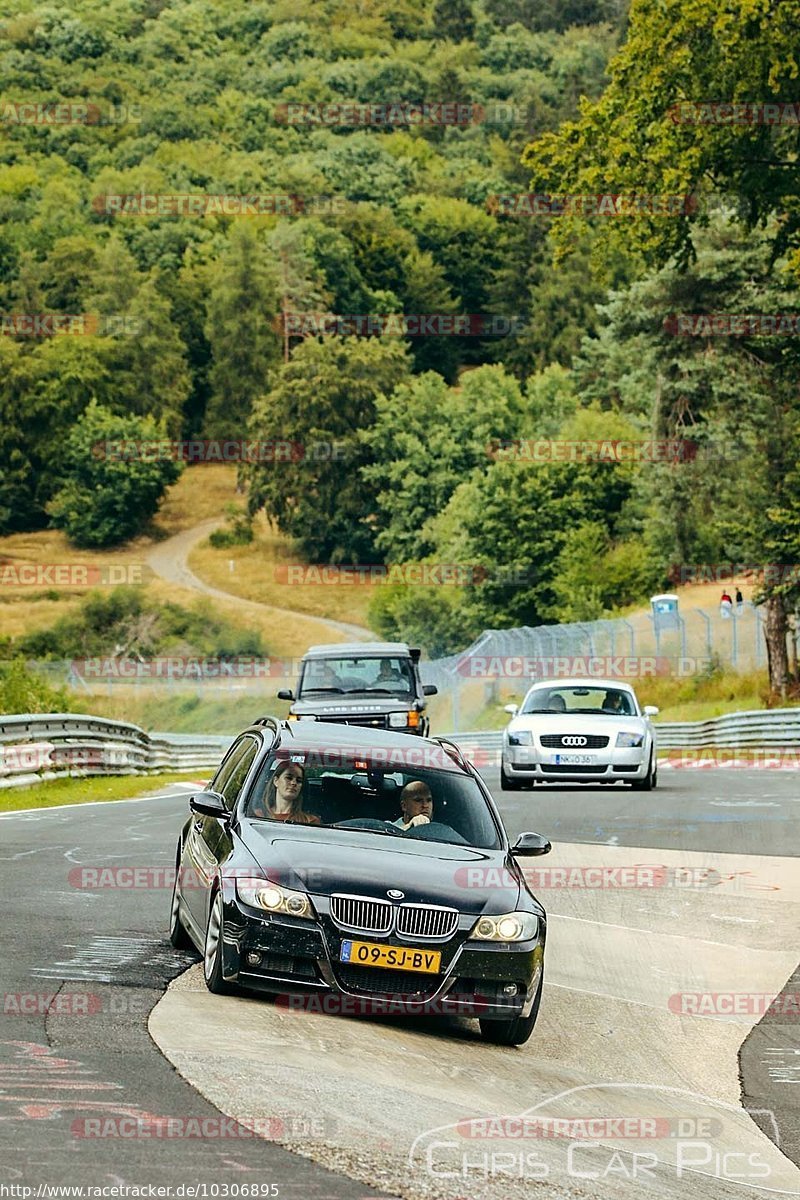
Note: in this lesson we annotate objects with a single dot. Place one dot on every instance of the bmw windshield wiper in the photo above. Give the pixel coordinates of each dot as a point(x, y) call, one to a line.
point(390, 832)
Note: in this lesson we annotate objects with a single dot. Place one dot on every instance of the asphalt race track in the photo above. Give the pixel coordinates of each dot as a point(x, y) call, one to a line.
point(387, 1105)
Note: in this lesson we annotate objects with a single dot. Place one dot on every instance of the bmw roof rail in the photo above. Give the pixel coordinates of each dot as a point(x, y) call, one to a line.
point(274, 724)
point(453, 750)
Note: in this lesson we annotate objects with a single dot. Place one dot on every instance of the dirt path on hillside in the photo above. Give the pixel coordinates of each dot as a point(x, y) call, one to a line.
point(170, 561)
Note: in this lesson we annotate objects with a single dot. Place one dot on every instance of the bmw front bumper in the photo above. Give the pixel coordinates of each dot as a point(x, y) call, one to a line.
point(293, 957)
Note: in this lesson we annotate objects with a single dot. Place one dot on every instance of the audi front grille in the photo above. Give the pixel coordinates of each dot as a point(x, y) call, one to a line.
point(573, 741)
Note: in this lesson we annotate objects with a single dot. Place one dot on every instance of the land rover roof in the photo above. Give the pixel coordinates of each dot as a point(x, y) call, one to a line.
point(361, 650)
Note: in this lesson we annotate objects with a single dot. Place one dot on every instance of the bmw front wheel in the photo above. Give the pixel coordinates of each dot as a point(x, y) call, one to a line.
point(212, 956)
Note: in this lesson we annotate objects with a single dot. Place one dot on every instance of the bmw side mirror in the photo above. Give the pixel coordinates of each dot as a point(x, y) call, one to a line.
point(286, 694)
point(531, 844)
point(651, 710)
point(430, 689)
point(511, 708)
point(209, 804)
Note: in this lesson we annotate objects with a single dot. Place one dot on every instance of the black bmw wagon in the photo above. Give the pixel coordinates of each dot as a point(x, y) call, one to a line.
point(365, 869)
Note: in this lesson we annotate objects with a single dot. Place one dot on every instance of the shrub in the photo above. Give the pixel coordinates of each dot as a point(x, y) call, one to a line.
point(107, 497)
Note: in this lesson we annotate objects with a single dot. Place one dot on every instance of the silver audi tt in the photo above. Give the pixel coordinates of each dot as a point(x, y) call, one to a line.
point(571, 730)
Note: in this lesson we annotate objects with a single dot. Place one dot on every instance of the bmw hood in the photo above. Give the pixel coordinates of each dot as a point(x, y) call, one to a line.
point(321, 861)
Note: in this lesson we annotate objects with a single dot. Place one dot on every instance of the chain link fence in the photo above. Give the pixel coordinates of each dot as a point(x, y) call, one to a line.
point(500, 663)
point(640, 647)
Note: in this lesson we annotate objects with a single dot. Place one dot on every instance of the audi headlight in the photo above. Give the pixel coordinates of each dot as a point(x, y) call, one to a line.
point(522, 737)
point(511, 927)
point(626, 741)
point(260, 893)
point(398, 720)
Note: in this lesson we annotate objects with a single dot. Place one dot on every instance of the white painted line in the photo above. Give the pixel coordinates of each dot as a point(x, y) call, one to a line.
point(57, 808)
point(566, 987)
point(687, 937)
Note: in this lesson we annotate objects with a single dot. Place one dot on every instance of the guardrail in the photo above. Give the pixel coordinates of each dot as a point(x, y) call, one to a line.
point(758, 727)
point(43, 746)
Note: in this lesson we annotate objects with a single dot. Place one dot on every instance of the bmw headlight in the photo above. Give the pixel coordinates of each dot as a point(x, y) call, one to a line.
point(521, 737)
point(261, 893)
point(511, 927)
point(627, 741)
point(398, 720)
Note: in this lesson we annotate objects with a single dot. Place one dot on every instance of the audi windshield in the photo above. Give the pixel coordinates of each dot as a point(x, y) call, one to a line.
point(599, 701)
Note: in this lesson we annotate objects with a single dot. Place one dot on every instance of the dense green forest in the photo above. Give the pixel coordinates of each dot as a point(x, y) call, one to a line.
point(193, 319)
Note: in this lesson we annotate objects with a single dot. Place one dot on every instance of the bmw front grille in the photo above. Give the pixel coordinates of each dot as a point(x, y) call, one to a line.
point(364, 914)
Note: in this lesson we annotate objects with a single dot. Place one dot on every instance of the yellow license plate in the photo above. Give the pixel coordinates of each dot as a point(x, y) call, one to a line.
point(398, 958)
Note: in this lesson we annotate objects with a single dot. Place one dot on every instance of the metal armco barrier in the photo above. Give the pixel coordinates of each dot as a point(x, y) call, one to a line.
point(45, 746)
point(759, 727)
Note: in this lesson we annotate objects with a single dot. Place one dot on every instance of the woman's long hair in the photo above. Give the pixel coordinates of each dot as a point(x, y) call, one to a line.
point(271, 794)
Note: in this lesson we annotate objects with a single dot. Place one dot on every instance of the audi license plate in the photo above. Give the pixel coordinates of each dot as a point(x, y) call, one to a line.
point(575, 760)
point(402, 958)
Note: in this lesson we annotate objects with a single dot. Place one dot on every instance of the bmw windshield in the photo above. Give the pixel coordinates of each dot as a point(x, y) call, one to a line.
point(382, 793)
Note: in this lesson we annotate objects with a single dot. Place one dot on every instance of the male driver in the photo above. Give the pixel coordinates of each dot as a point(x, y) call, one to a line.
point(416, 805)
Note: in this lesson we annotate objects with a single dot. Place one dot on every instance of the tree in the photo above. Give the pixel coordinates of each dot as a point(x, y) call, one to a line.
point(513, 521)
point(241, 330)
point(43, 392)
point(153, 356)
point(106, 497)
point(114, 279)
point(415, 477)
point(660, 359)
point(325, 396)
point(301, 285)
point(649, 136)
point(453, 20)
point(554, 14)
